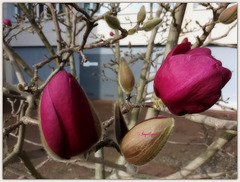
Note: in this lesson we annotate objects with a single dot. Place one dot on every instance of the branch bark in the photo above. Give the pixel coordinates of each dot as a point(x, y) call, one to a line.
point(200, 40)
point(144, 72)
point(213, 122)
point(29, 165)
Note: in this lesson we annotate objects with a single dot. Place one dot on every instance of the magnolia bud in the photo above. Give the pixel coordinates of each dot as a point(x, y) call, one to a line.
point(228, 15)
point(112, 21)
point(141, 15)
point(111, 34)
point(132, 61)
point(7, 22)
point(144, 141)
point(68, 123)
point(132, 31)
point(126, 77)
point(129, 45)
point(149, 25)
point(20, 87)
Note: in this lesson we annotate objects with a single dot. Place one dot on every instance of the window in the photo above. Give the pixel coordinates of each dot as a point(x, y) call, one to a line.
point(89, 6)
point(39, 10)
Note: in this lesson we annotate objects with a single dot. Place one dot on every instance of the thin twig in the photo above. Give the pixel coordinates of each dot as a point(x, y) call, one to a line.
point(9, 129)
point(27, 141)
point(17, 148)
point(56, 24)
point(20, 97)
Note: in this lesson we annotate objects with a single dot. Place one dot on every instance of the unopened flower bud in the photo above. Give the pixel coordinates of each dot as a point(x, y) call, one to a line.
point(190, 80)
point(126, 77)
point(129, 45)
point(111, 34)
point(132, 31)
point(149, 25)
point(141, 15)
point(145, 140)
point(112, 21)
point(7, 22)
point(20, 87)
point(69, 125)
point(228, 15)
point(132, 61)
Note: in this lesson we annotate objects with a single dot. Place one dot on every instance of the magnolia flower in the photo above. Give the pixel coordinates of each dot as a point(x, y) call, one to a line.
point(7, 22)
point(190, 81)
point(68, 124)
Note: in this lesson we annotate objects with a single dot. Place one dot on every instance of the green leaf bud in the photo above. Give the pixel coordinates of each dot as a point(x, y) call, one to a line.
point(112, 21)
point(149, 25)
point(141, 15)
point(132, 31)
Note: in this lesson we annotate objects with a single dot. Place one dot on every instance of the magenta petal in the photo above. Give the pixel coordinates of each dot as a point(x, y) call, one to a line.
point(203, 51)
point(180, 49)
point(50, 124)
point(226, 75)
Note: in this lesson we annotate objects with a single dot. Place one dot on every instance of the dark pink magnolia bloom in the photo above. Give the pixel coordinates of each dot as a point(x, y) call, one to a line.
point(7, 22)
point(190, 81)
point(67, 123)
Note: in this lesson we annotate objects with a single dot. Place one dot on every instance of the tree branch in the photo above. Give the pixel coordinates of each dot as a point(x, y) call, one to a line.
point(56, 24)
point(38, 30)
point(17, 148)
point(24, 157)
point(213, 122)
point(206, 31)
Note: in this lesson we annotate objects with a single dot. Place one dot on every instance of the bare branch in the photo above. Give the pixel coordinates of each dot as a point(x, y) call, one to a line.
point(29, 165)
point(57, 28)
point(208, 28)
point(213, 122)
point(17, 148)
point(38, 30)
point(13, 61)
point(80, 10)
point(211, 40)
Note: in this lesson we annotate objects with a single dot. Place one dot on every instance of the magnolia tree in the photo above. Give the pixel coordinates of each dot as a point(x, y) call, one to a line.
point(189, 81)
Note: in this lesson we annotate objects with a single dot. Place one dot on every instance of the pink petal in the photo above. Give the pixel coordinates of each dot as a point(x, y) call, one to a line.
point(180, 49)
point(203, 51)
point(50, 124)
